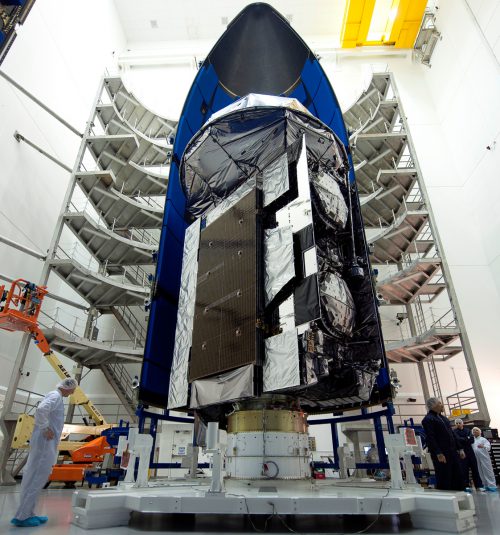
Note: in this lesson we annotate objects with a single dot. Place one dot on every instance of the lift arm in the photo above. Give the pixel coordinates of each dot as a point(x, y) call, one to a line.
point(19, 309)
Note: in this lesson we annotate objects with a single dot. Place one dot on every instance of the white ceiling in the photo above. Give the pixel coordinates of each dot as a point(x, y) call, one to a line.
point(150, 21)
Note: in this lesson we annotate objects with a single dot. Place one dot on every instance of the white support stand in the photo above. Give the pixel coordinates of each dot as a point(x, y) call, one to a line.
point(138, 446)
point(395, 449)
point(402, 446)
point(190, 461)
point(343, 452)
point(213, 447)
point(429, 509)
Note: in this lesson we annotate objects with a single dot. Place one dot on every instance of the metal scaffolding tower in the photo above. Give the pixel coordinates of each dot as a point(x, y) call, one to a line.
point(106, 235)
point(410, 269)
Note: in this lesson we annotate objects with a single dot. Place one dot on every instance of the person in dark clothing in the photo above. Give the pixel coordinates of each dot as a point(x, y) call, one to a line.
point(443, 447)
point(465, 439)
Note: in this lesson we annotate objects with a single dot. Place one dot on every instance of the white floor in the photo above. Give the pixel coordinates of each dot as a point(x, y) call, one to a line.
point(56, 504)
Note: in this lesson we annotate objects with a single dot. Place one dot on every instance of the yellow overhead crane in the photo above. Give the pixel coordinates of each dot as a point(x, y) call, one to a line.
point(401, 20)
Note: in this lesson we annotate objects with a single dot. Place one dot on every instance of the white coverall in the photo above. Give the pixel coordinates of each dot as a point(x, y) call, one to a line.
point(484, 461)
point(43, 452)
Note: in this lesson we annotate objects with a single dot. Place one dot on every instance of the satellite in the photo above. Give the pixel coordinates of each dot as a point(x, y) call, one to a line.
point(264, 296)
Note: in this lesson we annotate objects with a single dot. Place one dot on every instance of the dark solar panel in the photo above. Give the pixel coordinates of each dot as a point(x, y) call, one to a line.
point(224, 331)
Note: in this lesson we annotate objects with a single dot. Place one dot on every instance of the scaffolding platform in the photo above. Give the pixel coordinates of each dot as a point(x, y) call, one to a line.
point(99, 290)
point(429, 509)
point(415, 280)
point(375, 151)
point(136, 116)
point(117, 148)
point(436, 342)
point(116, 208)
point(91, 353)
point(132, 178)
point(108, 247)
point(392, 241)
point(388, 196)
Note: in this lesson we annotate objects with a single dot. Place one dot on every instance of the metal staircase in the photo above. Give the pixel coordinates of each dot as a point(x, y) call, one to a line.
point(412, 278)
point(108, 232)
point(121, 382)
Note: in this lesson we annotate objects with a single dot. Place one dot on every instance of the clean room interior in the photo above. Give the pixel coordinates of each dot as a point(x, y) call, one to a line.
point(440, 336)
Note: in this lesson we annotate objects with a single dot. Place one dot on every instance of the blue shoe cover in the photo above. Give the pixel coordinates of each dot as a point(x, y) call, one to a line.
point(26, 523)
point(492, 489)
point(42, 519)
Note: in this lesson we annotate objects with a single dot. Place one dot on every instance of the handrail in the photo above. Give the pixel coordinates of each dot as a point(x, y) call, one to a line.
point(138, 275)
point(28, 406)
point(54, 321)
point(124, 380)
point(133, 322)
point(467, 402)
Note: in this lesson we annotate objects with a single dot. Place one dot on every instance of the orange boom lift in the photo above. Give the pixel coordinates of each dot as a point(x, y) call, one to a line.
point(19, 309)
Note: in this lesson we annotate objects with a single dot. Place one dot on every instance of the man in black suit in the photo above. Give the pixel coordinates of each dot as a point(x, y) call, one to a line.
point(465, 439)
point(443, 447)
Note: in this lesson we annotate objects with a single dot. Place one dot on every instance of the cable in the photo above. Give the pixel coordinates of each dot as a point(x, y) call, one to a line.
point(290, 529)
point(254, 527)
point(378, 514)
point(265, 469)
point(275, 513)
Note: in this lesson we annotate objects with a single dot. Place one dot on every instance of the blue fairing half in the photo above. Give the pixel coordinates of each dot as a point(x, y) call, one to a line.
point(206, 97)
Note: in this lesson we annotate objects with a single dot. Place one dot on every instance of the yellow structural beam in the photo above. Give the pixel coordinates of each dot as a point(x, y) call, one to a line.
point(357, 18)
point(78, 397)
point(403, 23)
point(403, 30)
point(26, 424)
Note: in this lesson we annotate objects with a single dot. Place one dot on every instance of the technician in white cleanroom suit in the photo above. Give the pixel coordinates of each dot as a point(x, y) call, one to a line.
point(49, 422)
point(482, 449)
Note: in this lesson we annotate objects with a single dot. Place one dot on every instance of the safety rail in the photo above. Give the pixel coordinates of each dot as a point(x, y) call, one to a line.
point(419, 315)
point(124, 378)
point(28, 402)
point(84, 206)
point(462, 402)
point(134, 274)
point(138, 275)
point(162, 170)
point(144, 236)
point(57, 317)
point(434, 378)
point(151, 237)
point(372, 113)
point(398, 126)
point(81, 256)
point(427, 319)
point(405, 161)
point(139, 196)
point(149, 201)
point(135, 326)
point(409, 257)
point(76, 251)
point(414, 197)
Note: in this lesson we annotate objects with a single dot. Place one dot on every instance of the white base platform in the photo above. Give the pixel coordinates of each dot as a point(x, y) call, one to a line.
point(429, 509)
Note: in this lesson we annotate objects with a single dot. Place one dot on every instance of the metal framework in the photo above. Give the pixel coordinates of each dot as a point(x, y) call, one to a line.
point(113, 209)
point(106, 235)
point(413, 275)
